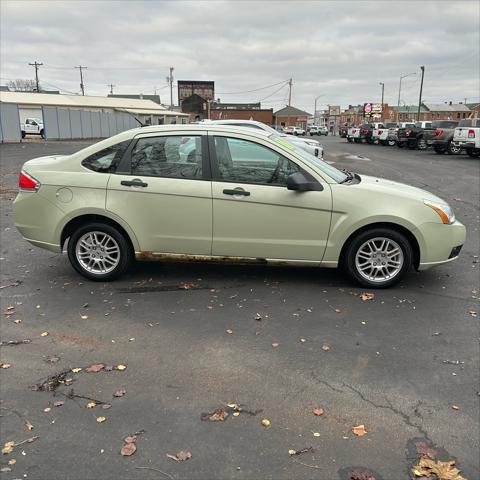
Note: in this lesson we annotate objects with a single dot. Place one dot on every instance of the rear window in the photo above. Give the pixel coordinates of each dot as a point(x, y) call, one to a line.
point(106, 160)
point(471, 122)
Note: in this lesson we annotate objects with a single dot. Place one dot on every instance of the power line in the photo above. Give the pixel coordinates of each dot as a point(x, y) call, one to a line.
point(276, 91)
point(254, 90)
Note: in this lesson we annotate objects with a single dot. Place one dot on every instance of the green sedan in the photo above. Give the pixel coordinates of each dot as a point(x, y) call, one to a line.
point(227, 194)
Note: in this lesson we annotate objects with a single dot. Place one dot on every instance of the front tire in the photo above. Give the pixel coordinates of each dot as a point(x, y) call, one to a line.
point(378, 258)
point(99, 252)
point(453, 149)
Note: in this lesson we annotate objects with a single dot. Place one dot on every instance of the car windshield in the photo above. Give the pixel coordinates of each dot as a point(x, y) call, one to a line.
point(332, 172)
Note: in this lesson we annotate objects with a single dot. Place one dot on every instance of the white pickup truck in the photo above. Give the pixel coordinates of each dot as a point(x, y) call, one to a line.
point(467, 136)
point(32, 126)
point(353, 133)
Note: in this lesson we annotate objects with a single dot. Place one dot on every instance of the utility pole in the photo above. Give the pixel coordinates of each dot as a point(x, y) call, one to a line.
point(420, 97)
point(290, 93)
point(400, 89)
point(170, 82)
point(315, 110)
point(383, 91)
point(36, 65)
point(111, 85)
point(82, 86)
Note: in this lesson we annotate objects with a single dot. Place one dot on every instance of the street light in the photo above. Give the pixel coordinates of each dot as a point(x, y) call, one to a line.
point(315, 109)
point(402, 76)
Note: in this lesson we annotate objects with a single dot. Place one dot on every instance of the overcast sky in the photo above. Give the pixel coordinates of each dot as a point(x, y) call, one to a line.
point(340, 50)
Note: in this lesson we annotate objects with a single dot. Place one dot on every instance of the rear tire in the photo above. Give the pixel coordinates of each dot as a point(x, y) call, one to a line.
point(99, 252)
point(453, 149)
point(472, 153)
point(378, 258)
point(391, 143)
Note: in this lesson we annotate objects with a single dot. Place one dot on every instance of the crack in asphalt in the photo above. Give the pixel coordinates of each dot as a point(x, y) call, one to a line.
point(406, 418)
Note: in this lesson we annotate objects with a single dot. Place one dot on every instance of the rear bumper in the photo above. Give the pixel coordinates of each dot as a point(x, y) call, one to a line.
point(440, 243)
point(464, 143)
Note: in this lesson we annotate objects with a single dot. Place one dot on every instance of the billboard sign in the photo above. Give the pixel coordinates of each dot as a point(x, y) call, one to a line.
point(203, 88)
point(372, 109)
point(334, 110)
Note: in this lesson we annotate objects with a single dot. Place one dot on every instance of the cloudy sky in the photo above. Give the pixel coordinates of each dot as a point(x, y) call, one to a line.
point(337, 50)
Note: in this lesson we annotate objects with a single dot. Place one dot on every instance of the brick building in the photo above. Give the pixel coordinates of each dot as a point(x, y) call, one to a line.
point(292, 117)
point(241, 111)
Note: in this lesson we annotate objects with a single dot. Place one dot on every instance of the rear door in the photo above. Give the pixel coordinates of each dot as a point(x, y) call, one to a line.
point(254, 214)
point(162, 189)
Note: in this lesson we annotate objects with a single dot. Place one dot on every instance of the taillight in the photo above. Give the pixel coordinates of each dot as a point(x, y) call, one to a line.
point(364, 132)
point(438, 132)
point(26, 182)
point(471, 134)
point(380, 132)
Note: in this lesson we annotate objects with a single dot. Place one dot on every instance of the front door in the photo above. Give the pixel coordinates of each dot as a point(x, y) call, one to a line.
point(254, 214)
point(165, 195)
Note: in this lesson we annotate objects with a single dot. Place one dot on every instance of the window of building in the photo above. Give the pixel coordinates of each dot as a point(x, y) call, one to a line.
point(168, 156)
point(248, 162)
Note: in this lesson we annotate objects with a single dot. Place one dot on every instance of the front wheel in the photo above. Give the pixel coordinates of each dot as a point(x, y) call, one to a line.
point(453, 149)
point(99, 252)
point(378, 258)
point(391, 143)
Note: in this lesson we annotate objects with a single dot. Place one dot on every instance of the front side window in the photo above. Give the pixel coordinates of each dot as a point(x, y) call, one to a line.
point(106, 160)
point(168, 156)
point(243, 161)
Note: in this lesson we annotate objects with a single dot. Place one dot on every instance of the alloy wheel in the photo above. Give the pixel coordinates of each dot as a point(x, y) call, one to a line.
point(97, 252)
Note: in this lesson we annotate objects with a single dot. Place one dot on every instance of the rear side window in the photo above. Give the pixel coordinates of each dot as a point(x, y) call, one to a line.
point(168, 156)
point(106, 160)
point(466, 123)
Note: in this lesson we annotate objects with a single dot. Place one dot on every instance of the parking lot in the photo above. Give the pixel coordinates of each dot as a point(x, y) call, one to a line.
point(266, 343)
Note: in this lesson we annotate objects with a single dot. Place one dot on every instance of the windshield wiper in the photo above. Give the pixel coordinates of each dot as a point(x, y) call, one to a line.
point(350, 175)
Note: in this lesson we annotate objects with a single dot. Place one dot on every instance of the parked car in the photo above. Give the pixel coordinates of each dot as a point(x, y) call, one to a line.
point(317, 130)
point(314, 147)
point(467, 136)
point(413, 137)
point(294, 131)
point(441, 135)
point(243, 196)
point(353, 133)
point(32, 126)
point(380, 133)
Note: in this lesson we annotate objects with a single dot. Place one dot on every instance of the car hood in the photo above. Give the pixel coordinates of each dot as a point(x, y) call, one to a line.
point(390, 187)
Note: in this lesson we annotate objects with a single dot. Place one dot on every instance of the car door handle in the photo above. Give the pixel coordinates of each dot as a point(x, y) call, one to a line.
point(236, 191)
point(136, 182)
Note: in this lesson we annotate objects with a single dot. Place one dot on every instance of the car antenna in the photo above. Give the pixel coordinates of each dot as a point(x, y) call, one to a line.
point(131, 114)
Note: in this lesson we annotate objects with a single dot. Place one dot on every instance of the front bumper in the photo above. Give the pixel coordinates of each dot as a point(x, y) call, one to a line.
point(439, 243)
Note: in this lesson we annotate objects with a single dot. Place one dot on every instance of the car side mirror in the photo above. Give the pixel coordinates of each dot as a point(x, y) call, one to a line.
point(298, 181)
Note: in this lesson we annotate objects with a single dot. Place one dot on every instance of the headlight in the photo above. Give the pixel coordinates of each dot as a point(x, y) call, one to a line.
point(444, 211)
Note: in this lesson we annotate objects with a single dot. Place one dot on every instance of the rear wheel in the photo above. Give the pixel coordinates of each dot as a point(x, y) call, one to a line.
point(378, 258)
point(23, 134)
point(99, 252)
point(391, 143)
point(422, 144)
point(472, 153)
point(42, 133)
point(453, 149)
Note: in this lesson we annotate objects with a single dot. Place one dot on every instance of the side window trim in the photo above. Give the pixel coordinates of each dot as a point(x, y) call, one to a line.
point(125, 165)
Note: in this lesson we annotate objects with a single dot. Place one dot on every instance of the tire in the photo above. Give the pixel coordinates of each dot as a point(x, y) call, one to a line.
point(391, 143)
point(422, 144)
point(412, 145)
point(349, 140)
point(472, 154)
point(23, 134)
point(78, 248)
point(42, 134)
point(440, 150)
point(453, 149)
point(400, 144)
point(353, 262)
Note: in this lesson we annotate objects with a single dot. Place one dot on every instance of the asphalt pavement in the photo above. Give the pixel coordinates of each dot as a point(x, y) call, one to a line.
point(266, 343)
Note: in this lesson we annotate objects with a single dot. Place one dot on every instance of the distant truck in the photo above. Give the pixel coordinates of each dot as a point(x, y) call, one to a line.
point(441, 139)
point(413, 137)
point(32, 126)
point(467, 136)
point(381, 133)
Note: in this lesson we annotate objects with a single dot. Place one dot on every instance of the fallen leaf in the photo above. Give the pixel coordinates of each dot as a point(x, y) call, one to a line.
point(8, 447)
point(47, 409)
point(28, 425)
point(218, 415)
point(316, 434)
point(130, 439)
point(337, 310)
point(95, 368)
point(236, 414)
point(58, 404)
point(366, 296)
point(180, 456)
point(17, 321)
point(442, 470)
point(275, 344)
point(91, 405)
point(455, 407)
point(258, 317)
point(44, 334)
point(229, 331)
point(120, 393)
point(84, 317)
point(5, 365)
point(325, 347)
point(302, 340)
point(318, 411)
point(359, 430)
point(12, 461)
point(128, 449)
point(292, 452)
point(473, 313)
point(210, 307)
point(76, 370)
point(106, 406)
point(121, 367)
point(266, 422)
point(100, 419)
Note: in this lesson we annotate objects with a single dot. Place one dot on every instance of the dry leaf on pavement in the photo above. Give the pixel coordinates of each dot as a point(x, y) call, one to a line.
point(44, 334)
point(5, 365)
point(325, 347)
point(58, 404)
point(365, 296)
point(359, 430)
point(180, 456)
point(121, 367)
point(95, 368)
point(100, 419)
point(266, 422)
point(275, 344)
point(229, 331)
point(76, 370)
point(443, 470)
point(91, 405)
point(28, 425)
point(120, 393)
point(128, 449)
point(318, 411)
point(218, 415)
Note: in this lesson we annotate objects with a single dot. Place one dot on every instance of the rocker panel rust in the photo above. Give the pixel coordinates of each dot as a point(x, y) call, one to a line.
point(180, 257)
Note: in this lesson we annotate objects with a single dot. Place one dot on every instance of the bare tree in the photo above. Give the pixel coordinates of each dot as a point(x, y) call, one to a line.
point(22, 85)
